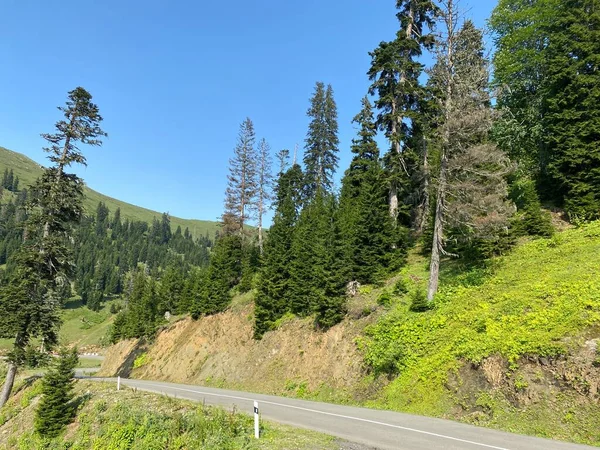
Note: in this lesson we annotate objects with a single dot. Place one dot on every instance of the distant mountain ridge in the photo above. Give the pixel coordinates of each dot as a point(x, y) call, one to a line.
point(28, 170)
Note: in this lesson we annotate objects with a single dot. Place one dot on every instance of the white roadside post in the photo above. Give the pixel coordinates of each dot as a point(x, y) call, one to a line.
point(118, 383)
point(256, 426)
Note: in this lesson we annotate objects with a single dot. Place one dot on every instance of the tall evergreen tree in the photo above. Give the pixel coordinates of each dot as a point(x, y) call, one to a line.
point(321, 143)
point(241, 181)
point(367, 229)
point(29, 304)
point(272, 296)
point(571, 119)
point(394, 73)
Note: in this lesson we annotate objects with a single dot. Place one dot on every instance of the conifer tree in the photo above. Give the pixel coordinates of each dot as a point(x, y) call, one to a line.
point(317, 274)
point(241, 181)
point(367, 229)
point(272, 296)
point(56, 408)
point(29, 304)
point(321, 143)
point(394, 74)
point(571, 122)
point(471, 194)
point(263, 187)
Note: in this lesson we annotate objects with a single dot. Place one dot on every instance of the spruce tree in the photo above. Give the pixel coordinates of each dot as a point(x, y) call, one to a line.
point(29, 304)
point(321, 143)
point(367, 229)
point(571, 121)
point(56, 408)
point(273, 287)
point(394, 73)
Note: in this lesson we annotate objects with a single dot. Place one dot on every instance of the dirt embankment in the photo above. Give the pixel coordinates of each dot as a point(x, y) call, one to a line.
point(219, 350)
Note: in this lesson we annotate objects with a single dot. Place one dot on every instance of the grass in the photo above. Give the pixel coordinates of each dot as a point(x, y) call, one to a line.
point(28, 171)
point(81, 326)
point(542, 299)
point(131, 420)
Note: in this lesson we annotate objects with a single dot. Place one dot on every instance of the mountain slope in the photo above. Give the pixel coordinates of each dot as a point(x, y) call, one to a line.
point(28, 170)
point(514, 347)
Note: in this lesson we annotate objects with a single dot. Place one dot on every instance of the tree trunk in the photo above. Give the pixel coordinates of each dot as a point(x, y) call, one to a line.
point(397, 122)
point(423, 208)
point(8, 383)
point(438, 233)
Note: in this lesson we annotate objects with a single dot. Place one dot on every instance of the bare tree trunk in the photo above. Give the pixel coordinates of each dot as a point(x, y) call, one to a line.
point(12, 372)
point(8, 383)
point(438, 233)
point(393, 195)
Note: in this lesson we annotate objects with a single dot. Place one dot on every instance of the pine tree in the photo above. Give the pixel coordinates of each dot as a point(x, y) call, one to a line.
point(321, 143)
point(471, 196)
point(241, 181)
point(56, 408)
point(29, 305)
point(394, 74)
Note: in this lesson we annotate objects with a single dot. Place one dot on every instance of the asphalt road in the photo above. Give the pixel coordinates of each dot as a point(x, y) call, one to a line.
point(375, 428)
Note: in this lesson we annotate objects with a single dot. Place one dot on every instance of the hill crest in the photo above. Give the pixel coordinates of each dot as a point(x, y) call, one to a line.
point(28, 170)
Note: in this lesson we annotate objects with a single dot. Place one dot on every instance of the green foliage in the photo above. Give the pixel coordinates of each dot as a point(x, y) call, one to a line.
point(320, 153)
point(56, 408)
point(401, 286)
point(514, 310)
point(271, 298)
point(418, 301)
point(141, 360)
point(530, 219)
point(372, 246)
point(385, 298)
point(34, 358)
point(545, 62)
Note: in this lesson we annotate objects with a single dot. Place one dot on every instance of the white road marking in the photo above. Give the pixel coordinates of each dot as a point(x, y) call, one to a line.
point(327, 414)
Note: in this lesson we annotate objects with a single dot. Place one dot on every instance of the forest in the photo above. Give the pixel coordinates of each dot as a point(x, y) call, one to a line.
point(480, 148)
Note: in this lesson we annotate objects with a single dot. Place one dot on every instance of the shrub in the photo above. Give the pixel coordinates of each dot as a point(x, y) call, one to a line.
point(384, 299)
point(419, 301)
point(401, 287)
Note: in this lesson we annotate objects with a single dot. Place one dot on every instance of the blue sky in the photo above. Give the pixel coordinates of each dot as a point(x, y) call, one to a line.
point(174, 79)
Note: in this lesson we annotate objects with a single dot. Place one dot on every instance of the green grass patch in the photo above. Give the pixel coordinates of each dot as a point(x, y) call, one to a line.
point(536, 300)
point(134, 420)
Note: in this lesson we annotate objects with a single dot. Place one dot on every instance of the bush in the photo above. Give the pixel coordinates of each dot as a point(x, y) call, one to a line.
point(401, 287)
point(419, 301)
point(56, 409)
point(384, 299)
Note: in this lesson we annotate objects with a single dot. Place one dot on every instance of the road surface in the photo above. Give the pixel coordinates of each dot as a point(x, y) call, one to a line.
point(376, 428)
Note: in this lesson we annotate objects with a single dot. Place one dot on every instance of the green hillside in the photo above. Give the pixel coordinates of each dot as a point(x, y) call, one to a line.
point(28, 170)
